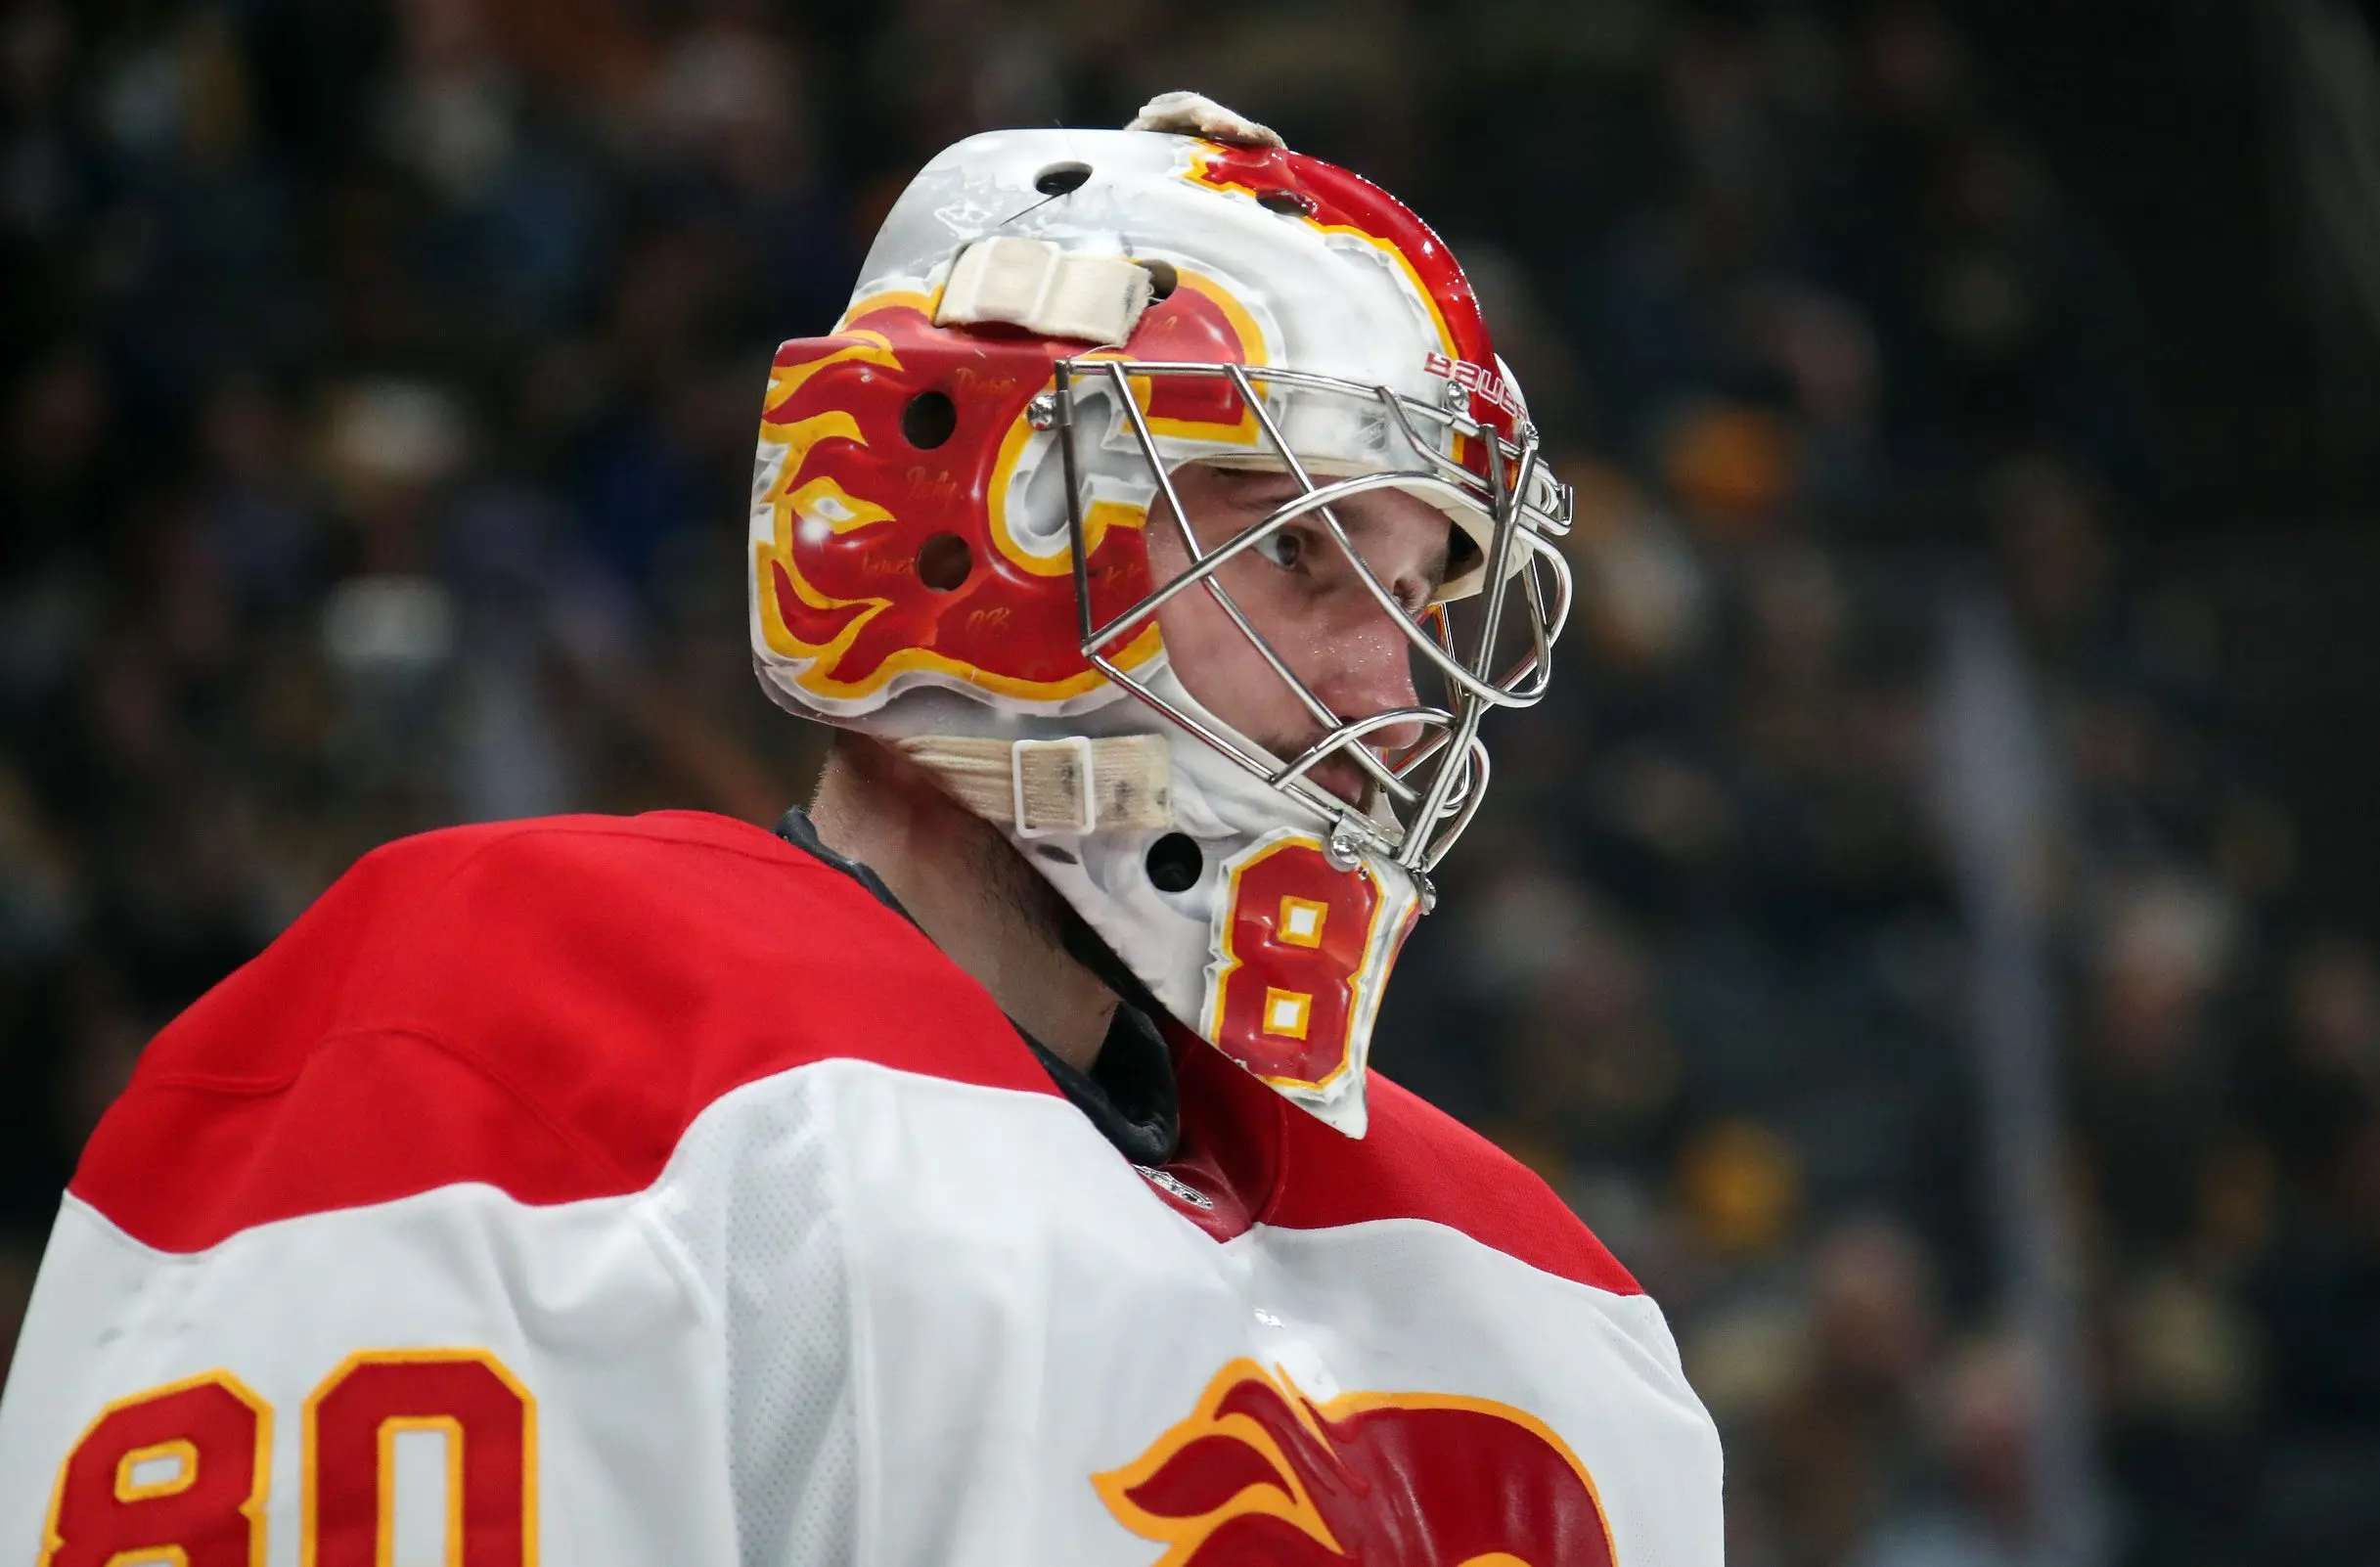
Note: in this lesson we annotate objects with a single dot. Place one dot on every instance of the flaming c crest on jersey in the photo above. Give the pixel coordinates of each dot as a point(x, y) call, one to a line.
point(1262, 1474)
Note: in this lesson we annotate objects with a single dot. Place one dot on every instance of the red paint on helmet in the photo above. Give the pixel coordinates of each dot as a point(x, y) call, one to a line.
point(1297, 936)
point(856, 500)
point(1337, 199)
point(1198, 323)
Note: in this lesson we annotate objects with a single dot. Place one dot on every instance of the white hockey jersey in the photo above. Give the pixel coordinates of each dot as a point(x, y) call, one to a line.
point(643, 1191)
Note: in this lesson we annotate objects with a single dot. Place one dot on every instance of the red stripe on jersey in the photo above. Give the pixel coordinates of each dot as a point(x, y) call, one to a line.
point(1263, 1162)
point(1417, 1162)
point(546, 1007)
point(541, 1006)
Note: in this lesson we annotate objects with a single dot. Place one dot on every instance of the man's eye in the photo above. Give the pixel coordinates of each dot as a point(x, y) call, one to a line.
point(1283, 547)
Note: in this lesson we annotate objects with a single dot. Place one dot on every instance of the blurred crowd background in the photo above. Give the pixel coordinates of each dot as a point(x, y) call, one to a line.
point(381, 385)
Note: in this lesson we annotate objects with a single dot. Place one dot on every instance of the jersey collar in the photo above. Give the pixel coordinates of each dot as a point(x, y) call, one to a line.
point(1129, 1094)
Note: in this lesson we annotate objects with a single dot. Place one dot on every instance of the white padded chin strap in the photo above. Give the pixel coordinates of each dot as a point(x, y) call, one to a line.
point(1041, 787)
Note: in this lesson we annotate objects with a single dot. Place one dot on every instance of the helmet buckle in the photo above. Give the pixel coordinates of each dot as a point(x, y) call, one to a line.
point(1071, 780)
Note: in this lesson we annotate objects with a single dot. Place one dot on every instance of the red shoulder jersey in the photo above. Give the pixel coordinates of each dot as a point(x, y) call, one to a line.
point(624, 1191)
point(545, 1006)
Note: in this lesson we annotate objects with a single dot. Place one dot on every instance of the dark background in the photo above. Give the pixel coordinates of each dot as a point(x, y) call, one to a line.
point(379, 389)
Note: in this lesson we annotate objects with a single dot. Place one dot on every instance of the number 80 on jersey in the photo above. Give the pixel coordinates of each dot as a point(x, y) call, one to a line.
point(179, 1475)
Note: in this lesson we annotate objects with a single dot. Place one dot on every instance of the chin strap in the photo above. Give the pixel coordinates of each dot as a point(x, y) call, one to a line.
point(1037, 788)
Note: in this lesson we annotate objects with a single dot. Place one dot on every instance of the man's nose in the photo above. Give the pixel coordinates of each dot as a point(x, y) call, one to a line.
point(1369, 670)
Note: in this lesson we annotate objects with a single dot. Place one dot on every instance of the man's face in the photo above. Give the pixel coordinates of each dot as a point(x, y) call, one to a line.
point(1303, 595)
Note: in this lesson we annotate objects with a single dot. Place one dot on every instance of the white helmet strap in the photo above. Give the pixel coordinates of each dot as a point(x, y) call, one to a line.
point(1040, 788)
point(1046, 290)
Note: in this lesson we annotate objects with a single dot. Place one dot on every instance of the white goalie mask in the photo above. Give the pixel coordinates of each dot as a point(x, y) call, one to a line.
point(950, 552)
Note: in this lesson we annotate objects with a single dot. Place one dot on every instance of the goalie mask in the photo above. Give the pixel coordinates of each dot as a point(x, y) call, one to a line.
point(951, 554)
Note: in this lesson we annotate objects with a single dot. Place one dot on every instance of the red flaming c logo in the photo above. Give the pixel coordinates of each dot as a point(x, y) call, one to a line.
point(856, 494)
point(1261, 1476)
point(857, 497)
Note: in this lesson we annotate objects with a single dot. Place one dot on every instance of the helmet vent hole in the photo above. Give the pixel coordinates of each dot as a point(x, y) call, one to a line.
point(1162, 278)
point(1462, 553)
point(1061, 179)
point(1175, 863)
point(944, 562)
point(928, 419)
point(1288, 202)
